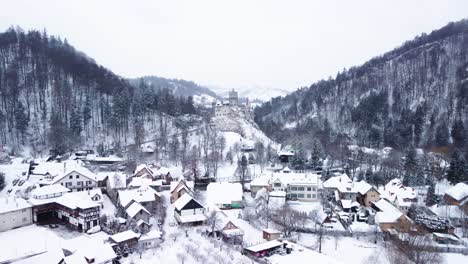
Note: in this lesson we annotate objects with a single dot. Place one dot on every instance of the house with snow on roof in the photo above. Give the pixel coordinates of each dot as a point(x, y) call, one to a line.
point(77, 210)
point(187, 210)
point(400, 195)
point(366, 193)
point(145, 195)
point(340, 188)
point(298, 186)
point(136, 212)
point(390, 219)
point(458, 195)
point(14, 212)
point(127, 239)
point(150, 240)
point(77, 179)
point(259, 183)
point(225, 195)
point(227, 230)
point(84, 249)
point(179, 188)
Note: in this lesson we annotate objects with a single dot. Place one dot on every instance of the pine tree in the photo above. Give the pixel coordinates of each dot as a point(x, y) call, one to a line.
point(456, 172)
point(75, 124)
point(431, 198)
point(458, 133)
point(58, 134)
point(316, 155)
point(21, 119)
point(2, 181)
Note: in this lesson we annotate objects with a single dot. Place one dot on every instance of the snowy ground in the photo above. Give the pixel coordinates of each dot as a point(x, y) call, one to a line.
point(12, 171)
point(109, 208)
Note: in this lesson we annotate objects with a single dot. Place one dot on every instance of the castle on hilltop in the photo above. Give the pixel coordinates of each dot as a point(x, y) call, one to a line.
point(231, 107)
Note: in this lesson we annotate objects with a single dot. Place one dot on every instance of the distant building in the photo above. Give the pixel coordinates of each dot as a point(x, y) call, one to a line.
point(232, 107)
point(298, 186)
point(187, 210)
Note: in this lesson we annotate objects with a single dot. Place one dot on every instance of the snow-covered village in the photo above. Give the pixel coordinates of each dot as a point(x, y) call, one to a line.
point(370, 166)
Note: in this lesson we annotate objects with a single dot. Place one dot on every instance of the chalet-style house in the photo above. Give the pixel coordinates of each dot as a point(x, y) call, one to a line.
point(76, 209)
point(150, 239)
point(135, 211)
point(228, 231)
point(180, 188)
point(340, 188)
point(298, 186)
point(14, 212)
point(458, 195)
point(225, 195)
point(187, 210)
point(390, 219)
point(144, 195)
point(77, 179)
point(366, 193)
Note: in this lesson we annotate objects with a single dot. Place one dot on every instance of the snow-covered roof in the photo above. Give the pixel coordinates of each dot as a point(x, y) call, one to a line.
point(80, 170)
point(458, 192)
point(85, 247)
point(184, 200)
point(53, 189)
point(265, 246)
point(76, 200)
point(140, 181)
point(348, 204)
point(10, 204)
point(362, 187)
point(124, 236)
point(142, 194)
point(271, 231)
point(180, 184)
point(396, 191)
point(142, 222)
point(153, 234)
point(342, 182)
point(299, 254)
point(296, 178)
point(223, 192)
point(143, 167)
point(56, 168)
point(135, 208)
point(388, 213)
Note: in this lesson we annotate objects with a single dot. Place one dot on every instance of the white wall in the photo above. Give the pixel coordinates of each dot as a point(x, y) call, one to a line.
point(18, 218)
point(74, 181)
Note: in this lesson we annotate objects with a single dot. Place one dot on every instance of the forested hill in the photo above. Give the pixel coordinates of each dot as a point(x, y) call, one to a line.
point(416, 94)
point(176, 86)
point(55, 96)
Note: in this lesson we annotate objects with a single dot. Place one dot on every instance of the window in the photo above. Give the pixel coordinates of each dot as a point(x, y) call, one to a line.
point(293, 188)
point(314, 189)
point(88, 182)
point(277, 184)
point(308, 189)
point(314, 196)
point(80, 183)
point(77, 176)
point(24, 210)
point(300, 189)
point(300, 195)
point(70, 177)
point(68, 184)
point(24, 219)
point(308, 196)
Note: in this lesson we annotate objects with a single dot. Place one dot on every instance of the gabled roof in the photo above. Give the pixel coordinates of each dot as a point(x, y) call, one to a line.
point(143, 167)
point(10, 204)
point(343, 183)
point(135, 208)
point(124, 236)
point(458, 192)
point(186, 201)
point(388, 213)
point(363, 187)
point(142, 194)
point(80, 170)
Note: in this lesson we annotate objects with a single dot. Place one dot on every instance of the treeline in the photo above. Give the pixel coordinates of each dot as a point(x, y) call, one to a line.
point(413, 96)
point(53, 95)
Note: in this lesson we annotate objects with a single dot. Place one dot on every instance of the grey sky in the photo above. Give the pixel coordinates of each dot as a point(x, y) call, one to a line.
point(243, 44)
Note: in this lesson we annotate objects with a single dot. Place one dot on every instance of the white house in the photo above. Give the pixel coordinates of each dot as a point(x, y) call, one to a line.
point(150, 239)
point(402, 196)
point(340, 188)
point(14, 212)
point(77, 179)
point(188, 210)
point(300, 186)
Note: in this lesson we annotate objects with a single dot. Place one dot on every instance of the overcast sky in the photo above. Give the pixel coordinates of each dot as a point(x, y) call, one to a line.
point(238, 44)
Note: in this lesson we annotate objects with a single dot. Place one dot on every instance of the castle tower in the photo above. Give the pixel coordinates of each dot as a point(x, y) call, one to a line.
point(233, 98)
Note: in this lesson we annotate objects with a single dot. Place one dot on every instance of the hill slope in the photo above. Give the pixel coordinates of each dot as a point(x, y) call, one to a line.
point(415, 94)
